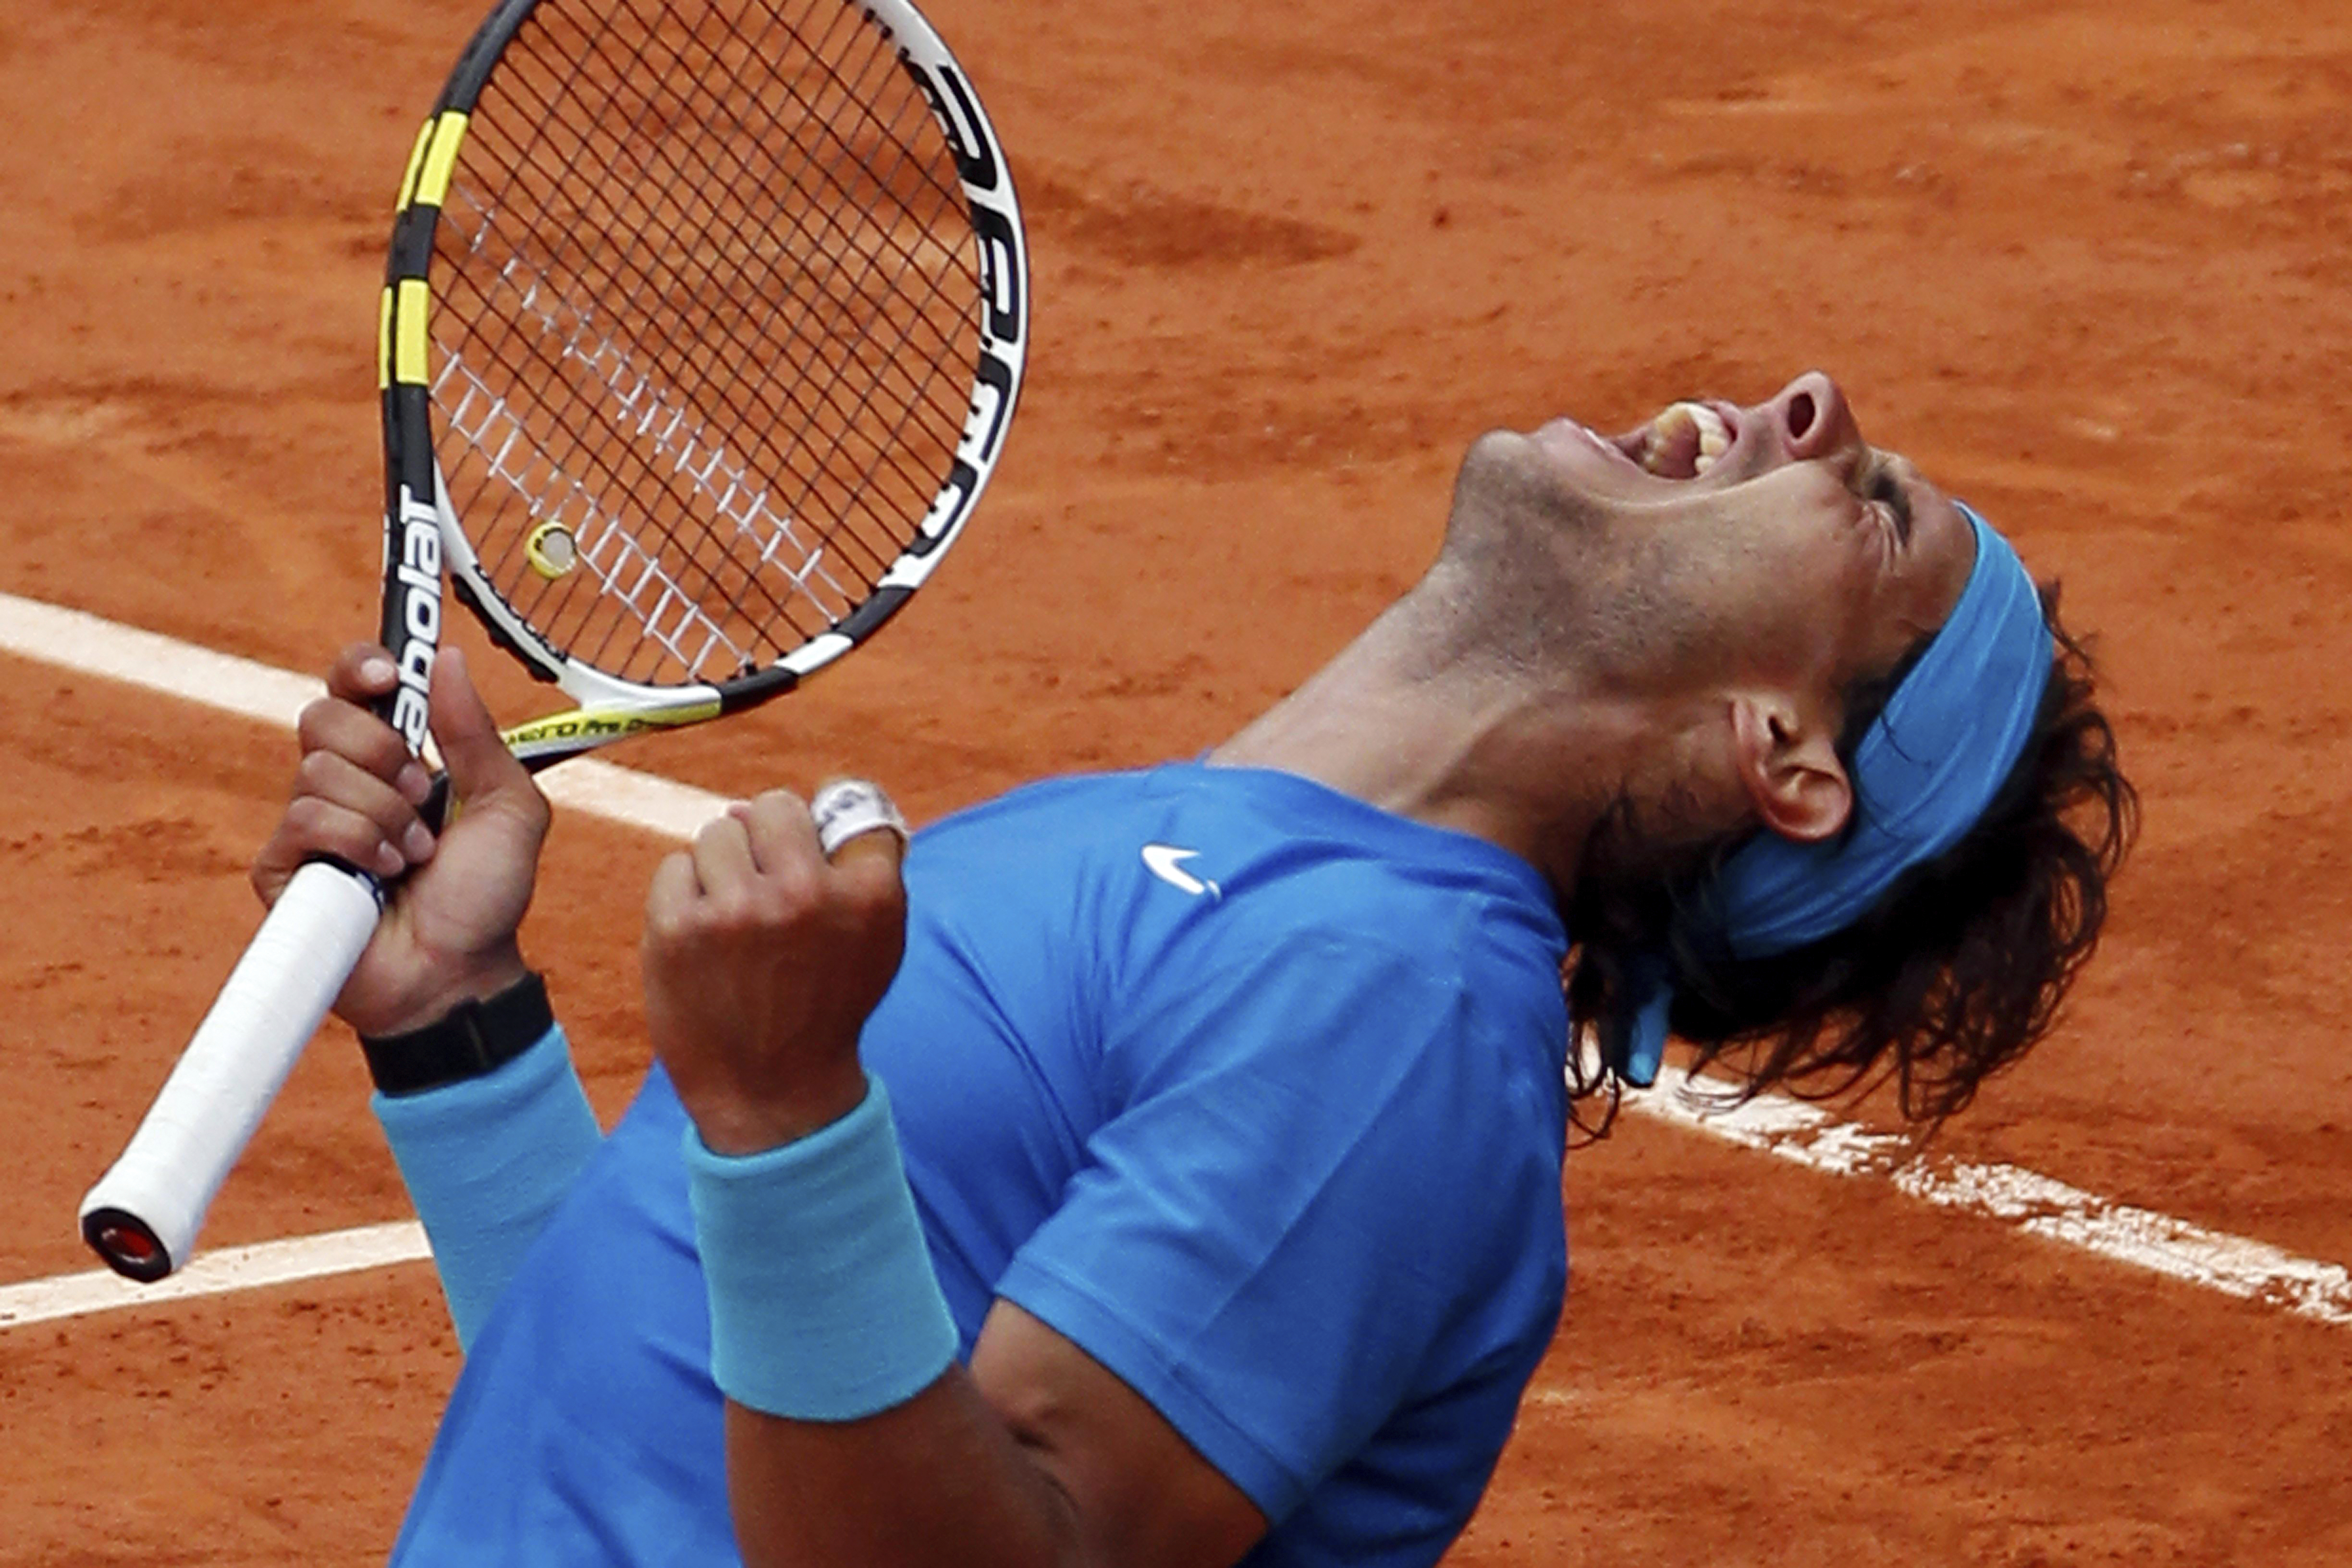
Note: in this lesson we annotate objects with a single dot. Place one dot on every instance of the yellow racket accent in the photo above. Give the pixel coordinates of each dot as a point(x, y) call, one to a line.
point(433, 175)
point(551, 551)
point(384, 340)
point(416, 163)
point(611, 724)
point(413, 332)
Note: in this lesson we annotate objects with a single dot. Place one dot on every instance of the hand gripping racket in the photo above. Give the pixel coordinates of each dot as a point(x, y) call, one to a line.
point(702, 326)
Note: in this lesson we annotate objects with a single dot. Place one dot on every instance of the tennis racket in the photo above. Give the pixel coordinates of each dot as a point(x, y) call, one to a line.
point(702, 325)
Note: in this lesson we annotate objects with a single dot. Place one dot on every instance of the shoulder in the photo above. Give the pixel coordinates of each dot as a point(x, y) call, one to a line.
point(1204, 918)
point(1264, 852)
point(1355, 1059)
point(1257, 886)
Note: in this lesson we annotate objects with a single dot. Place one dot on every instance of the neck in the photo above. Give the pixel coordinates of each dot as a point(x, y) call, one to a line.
point(1525, 761)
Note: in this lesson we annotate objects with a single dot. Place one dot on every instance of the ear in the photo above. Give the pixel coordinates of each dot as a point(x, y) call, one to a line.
point(1790, 767)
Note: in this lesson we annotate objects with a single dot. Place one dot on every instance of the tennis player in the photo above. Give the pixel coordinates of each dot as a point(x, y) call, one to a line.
point(1165, 1168)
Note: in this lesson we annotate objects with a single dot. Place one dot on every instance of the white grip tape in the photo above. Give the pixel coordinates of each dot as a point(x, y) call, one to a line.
point(847, 807)
point(208, 1109)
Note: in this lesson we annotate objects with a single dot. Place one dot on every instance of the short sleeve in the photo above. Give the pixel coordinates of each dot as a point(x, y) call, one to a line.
point(1295, 1203)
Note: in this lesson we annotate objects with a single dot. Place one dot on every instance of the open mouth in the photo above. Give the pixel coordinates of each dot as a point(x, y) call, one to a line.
point(1684, 442)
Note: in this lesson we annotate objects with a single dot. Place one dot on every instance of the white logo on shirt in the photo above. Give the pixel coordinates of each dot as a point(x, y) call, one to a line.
point(1167, 863)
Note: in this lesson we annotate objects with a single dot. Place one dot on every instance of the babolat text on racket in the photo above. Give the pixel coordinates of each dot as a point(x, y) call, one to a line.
point(702, 327)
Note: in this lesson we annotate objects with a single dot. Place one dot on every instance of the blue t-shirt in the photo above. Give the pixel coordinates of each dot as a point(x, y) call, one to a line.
point(1252, 1091)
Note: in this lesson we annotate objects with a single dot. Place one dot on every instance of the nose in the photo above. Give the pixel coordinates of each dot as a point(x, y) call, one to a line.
point(1811, 418)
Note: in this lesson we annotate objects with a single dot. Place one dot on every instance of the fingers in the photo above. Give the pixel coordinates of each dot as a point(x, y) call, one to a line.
point(761, 853)
point(357, 791)
point(849, 822)
point(344, 723)
point(361, 673)
point(762, 960)
point(778, 831)
point(342, 810)
point(865, 870)
point(725, 865)
point(372, 825)
point(341, 723)
point(671, 897)
point(481, 770)
point(771, 851)
point(846, 809)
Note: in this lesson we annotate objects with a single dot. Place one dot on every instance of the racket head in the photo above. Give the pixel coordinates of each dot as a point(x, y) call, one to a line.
point(703, 325)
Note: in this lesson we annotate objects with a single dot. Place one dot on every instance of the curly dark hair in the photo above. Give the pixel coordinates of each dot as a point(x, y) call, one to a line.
point(1951, 976)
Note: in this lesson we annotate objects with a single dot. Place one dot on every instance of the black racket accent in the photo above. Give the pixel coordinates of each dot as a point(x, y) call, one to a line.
point(481, 53)
point(530, 658)
point(953, 104)
point(413, 575)
point(867, 618)
point(754, 688)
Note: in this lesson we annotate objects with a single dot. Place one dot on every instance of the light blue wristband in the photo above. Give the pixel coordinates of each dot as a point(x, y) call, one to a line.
point(486, 1161)
point(823, 1303)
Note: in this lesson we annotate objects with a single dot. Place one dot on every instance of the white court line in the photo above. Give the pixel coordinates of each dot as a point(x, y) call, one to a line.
point(1810, 1136)
point(1790, 1129)
point(214, 1273)
point(78, 641)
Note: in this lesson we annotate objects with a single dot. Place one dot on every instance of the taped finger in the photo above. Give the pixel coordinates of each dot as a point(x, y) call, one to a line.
point(846, 809)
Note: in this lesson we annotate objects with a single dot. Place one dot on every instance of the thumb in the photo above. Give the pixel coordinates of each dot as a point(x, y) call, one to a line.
point(480, 766)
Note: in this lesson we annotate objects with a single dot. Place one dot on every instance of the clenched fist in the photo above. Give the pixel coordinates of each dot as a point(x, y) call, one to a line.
point(762, 959)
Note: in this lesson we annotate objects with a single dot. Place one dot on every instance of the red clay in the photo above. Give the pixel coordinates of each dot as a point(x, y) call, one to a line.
point(2084, 262)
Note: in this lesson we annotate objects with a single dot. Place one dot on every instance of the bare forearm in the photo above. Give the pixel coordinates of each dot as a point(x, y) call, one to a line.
point(940, 1480)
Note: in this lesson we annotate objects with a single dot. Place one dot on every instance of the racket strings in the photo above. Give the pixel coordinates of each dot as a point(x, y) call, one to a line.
point(474, 411)
point(943, 196)
point(708, 301)
point(662, 220)
point(827, 397)
point(678, 438)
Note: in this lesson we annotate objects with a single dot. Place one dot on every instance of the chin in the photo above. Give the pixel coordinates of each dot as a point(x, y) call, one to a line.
point(1507, 474)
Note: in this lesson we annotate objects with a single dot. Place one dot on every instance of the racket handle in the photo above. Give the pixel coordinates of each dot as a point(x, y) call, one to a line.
point(142, 1217)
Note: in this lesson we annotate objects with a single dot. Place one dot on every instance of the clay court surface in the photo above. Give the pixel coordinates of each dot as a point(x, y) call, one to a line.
point(2086, 262)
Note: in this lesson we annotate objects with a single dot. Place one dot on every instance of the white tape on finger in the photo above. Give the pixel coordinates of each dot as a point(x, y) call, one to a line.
point(847, 807)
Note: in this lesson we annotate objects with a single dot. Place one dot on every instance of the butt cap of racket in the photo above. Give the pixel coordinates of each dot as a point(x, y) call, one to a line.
point(127, 1244)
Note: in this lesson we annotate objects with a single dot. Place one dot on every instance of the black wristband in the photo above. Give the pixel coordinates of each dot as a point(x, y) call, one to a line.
point(472, 1038)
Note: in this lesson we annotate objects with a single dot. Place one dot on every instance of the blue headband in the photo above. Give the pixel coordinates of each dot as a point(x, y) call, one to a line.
point(1923, 775)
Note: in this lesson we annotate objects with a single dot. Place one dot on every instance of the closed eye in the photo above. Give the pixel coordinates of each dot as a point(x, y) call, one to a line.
point(1885, 488)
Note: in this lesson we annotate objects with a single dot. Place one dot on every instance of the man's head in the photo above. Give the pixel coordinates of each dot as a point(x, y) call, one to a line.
point(1736, 569)
point(1757, 584)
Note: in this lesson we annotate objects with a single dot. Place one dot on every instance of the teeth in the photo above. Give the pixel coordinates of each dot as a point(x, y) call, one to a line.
point(1714, 438)
point(1667, 433)
point(1686, 441)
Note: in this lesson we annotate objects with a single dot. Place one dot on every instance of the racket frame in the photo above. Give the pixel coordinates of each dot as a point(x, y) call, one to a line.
point(142, 1216)
point(609, 708)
